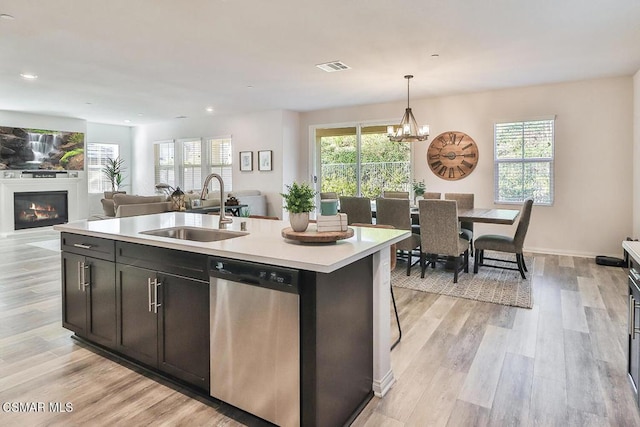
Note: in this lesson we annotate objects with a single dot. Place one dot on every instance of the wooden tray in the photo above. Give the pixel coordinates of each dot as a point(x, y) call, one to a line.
point(312, 236)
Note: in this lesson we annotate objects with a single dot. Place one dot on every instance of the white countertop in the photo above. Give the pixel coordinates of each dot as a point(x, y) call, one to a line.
point(263, 244)
point(633, 248)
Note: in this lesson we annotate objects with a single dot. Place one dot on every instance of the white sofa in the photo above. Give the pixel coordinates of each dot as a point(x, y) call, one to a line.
point(123, 205)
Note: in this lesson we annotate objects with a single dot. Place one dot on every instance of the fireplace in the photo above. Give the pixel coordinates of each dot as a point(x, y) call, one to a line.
point(39, 209)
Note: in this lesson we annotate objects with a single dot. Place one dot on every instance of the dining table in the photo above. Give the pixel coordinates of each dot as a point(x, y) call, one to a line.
point(480, 215)
point(483, 215)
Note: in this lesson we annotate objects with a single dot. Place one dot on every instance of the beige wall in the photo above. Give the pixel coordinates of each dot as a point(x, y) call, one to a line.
point(250, 132)
point(636, 155)
point(592, 212)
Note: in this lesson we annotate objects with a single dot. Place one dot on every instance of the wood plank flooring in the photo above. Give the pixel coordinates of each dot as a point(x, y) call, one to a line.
point(460, 362)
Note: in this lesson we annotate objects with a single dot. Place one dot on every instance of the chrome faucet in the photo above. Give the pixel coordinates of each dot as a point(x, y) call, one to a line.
point(205, 189)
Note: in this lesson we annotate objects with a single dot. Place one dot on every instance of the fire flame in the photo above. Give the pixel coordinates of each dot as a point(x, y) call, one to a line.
point(38, 212)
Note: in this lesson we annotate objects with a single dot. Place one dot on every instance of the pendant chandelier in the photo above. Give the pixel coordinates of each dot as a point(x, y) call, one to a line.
point(408, 130)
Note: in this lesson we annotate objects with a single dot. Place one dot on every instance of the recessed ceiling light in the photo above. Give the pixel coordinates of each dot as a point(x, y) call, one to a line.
point(333, 66)
point(140, 114)
point(249, 87)
point(28, 76)
point(209, 109)
point(181, 117)
point(89, 103)
point(7, 16)
point(435, 55)
point(127, 121)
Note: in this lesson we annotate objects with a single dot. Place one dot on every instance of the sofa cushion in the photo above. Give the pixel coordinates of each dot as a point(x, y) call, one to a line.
point(127, 199)
point(143, 209)
point(108, 206)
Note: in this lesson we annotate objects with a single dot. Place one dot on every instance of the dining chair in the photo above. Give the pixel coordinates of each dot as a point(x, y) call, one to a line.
point(328, 195)
point(358, 209)
point(440, 236)
point(465, 201)
point(426, 196)
point(395, 194)
point(396, 212)
point(392, 265)
point(430, 195)
point(500, 243)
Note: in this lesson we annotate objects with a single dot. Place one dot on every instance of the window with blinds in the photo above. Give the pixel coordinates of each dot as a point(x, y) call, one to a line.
point(524, 161)
point(221, 159)
point(191, 166)
point(185, 163)
point(164, 163)
point(97, 155)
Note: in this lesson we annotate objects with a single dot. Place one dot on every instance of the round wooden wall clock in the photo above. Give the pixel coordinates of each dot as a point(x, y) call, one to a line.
point(452, 155)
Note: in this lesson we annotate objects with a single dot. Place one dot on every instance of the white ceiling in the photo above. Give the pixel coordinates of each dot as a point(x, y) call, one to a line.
point(153, 60)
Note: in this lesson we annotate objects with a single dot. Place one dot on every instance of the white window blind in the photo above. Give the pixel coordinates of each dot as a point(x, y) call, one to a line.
point(221, 160)
point(97, 155)
point(524, 153)
point(191, 165)
point(164, 163)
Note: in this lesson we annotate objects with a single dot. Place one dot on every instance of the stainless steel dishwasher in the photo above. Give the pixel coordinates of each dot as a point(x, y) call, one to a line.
point(255, 339)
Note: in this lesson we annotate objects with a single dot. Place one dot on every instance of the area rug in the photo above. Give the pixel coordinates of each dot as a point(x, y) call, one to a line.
point(493, 285)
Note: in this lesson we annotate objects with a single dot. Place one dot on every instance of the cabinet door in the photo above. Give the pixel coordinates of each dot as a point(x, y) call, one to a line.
point(633, 363)
point(137, 330)
point(184, 329)
point(101, 301)
point(74, 301)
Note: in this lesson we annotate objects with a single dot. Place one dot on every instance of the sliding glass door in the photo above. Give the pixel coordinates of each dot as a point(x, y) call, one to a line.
point(361, 161)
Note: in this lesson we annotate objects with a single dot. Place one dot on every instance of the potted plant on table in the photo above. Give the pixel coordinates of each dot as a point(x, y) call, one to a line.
point(418, 190)
point(113, 169)
point(298, 200)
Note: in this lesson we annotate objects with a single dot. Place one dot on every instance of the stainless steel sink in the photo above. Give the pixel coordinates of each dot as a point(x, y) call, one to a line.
point(197, 234)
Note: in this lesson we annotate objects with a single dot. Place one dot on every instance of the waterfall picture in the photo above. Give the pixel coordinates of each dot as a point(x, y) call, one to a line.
point(39, 149)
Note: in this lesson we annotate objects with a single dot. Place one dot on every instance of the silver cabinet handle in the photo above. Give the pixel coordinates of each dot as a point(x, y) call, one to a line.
point(82, 246)
point(79, 275)
point(149, 290)
point(85, 284)
point(155, 290)
point(633, 306)
point(631, 316)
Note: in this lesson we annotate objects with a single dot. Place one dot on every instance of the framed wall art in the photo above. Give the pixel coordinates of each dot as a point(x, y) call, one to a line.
point(264, 160)
point(246, 161)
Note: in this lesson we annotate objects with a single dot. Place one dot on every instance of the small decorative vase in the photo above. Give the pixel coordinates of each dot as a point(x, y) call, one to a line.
point(299, 221)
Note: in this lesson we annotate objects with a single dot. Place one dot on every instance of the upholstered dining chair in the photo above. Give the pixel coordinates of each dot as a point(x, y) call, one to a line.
point(395, 194)
point(440, 236)
point(328, 195)
point(465, 201)
point(392, 266)
point(396, 212)
point(428, 195)
point(499, 243)
point(358, 209)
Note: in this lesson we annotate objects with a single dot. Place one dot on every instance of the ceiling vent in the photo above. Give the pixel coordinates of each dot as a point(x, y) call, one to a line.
point(330, 67)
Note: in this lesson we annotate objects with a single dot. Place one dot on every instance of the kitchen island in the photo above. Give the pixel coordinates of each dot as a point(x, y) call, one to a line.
point(146, 297)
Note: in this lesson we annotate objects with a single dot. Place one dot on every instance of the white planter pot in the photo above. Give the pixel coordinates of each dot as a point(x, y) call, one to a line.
point(299, 221)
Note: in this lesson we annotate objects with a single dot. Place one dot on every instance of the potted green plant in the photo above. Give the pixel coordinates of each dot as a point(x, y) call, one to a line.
point(113, 169)
point(298, 200)
point(418, 189)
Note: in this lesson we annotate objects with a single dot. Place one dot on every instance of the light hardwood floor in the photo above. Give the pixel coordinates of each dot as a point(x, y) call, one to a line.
point(460, 362)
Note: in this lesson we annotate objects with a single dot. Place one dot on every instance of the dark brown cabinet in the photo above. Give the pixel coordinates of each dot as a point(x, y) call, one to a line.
point(88, 291)
point(164, 322)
